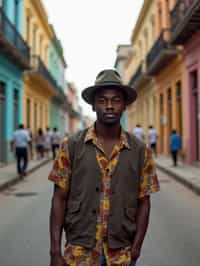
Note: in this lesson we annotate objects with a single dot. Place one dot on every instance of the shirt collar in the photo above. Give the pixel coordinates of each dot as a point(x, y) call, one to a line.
point(91, 136)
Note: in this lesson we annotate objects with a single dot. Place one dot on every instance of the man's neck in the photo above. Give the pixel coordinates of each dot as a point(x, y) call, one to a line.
point(108, 132)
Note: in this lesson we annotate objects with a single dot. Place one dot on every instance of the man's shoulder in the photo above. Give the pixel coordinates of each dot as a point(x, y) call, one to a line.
point(133, 140)
point(79, 135)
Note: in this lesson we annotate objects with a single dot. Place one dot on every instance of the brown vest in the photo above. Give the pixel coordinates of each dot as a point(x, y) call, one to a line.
point(83, 200)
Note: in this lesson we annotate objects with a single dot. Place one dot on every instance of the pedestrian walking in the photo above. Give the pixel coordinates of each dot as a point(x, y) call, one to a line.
point(48, 135)
point(103, 179)
point(175, 146)
point(55, 141)
point(19, 143)
point(30, 149)
point(40, 143)
point(152, 139)
point(138, 132)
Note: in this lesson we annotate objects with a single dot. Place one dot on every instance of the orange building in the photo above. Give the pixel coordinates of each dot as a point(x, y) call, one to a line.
point(165, 63)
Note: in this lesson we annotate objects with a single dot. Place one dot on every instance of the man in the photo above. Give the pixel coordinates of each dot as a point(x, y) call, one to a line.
point(21, 140)
point(55, 141)
point(103, 179)
point(138, 132)
point(175, 146)
point(152, 137)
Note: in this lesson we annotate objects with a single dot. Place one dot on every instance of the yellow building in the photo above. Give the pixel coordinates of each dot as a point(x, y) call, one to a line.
point(39, 86)
point(143, 111)
point(165, 63)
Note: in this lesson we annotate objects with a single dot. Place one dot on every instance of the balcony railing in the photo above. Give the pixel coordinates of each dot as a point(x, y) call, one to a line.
point(160, 53)
point(38, 65)
point(185, 20)
point(177, 14)
point(9, 33)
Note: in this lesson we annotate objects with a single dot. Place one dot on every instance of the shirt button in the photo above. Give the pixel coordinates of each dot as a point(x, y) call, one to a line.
point(97, 189)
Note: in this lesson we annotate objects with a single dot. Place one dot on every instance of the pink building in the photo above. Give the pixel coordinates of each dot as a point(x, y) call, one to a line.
point(185, 31)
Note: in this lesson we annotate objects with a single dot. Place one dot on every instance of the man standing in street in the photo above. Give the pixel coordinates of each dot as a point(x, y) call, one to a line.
point(175, 146)
point(103, 179)
point(152, 138)
point(55, 141)
point(20, 142)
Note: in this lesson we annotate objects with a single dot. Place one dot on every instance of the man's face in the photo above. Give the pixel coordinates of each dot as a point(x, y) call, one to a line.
point(109, 105)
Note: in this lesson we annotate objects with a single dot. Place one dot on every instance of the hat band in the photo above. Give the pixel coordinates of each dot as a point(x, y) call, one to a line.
point(108, 83)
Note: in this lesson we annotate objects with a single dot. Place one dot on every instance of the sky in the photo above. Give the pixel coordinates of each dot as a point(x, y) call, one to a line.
point(90, 31)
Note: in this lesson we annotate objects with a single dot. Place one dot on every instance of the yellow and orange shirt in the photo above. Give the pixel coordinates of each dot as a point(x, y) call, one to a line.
point(60, 174)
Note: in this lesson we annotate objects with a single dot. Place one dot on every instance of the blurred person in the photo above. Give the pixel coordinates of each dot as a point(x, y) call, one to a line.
point(55, 141)
point(40, 143)
point(103, 177)
point(48, 135)
point(30, 149)
point(20, 142)
point(175, 146)
point(138, 132)
point(152, 139)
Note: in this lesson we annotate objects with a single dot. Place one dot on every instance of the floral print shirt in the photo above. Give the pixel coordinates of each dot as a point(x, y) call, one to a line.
point(60, 174)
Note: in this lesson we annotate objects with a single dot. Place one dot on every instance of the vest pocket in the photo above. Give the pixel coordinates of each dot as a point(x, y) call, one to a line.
point(129, 223)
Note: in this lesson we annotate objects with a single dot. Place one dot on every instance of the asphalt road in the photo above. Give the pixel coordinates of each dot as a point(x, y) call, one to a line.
point(173, 238)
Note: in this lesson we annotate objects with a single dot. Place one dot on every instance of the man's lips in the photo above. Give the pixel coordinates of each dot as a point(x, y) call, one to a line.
point(110, 115)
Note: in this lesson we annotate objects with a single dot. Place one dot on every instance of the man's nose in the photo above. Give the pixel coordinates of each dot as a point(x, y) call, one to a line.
point(109, 104)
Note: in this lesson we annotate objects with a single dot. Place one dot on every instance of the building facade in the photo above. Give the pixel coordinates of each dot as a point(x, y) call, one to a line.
point(123, 53)
point(143, 111)
point(58, 105)
point(185, 31)
point(165, 63)
point(39, 85)
point(14, 60)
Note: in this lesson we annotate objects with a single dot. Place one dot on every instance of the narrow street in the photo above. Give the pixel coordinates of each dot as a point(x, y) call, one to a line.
point(173, 238)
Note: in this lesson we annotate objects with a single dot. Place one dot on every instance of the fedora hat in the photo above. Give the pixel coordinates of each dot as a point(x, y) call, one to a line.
point(106, 79)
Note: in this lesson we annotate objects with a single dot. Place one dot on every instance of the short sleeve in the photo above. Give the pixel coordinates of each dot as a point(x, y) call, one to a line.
point(61, 169)
point(149, 180)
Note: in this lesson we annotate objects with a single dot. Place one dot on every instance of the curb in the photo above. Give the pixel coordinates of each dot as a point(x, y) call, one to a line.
point(17, 178)
point(180, 179)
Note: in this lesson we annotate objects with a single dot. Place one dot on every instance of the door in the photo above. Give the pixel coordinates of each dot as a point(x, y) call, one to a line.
point(16, 110)
point(195, 112)
point(2, 126)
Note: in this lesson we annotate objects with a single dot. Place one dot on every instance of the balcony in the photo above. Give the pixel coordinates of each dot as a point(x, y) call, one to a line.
point(40, 72)
point(161, 53)
point(185, 21)
point(12, 43)
point(139, 77)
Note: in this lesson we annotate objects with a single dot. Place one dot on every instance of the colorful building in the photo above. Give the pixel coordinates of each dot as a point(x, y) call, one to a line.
point(59, 104)
point(143, 111)
point(123, 53)
point(185, 31)
point(39, 85)
point(14, 59)
point(165, 64)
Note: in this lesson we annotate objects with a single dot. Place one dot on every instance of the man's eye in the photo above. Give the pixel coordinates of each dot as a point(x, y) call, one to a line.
point(117, 100)
point(101, 101)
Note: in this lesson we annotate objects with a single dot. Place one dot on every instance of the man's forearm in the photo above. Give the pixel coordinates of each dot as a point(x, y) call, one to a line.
point(142, 221)
point(56, 223)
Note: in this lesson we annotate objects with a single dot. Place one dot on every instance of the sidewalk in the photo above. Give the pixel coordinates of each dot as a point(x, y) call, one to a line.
point(186, 174)
point(8, 175)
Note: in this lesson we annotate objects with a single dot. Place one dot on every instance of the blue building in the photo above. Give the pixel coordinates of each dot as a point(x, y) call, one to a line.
point(14, 59)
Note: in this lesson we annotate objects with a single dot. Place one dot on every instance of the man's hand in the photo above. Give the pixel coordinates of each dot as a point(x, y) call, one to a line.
point(57, 260)
point(135, 253)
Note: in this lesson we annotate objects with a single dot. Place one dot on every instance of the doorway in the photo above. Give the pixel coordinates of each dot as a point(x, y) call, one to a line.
point(2, 124)
point(194, 115)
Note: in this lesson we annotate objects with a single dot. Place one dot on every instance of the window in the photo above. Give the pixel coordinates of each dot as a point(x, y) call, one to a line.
point(34, 40)
point(28, 110)
point(28, 29)
point(16, 13)
point(2, 4)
